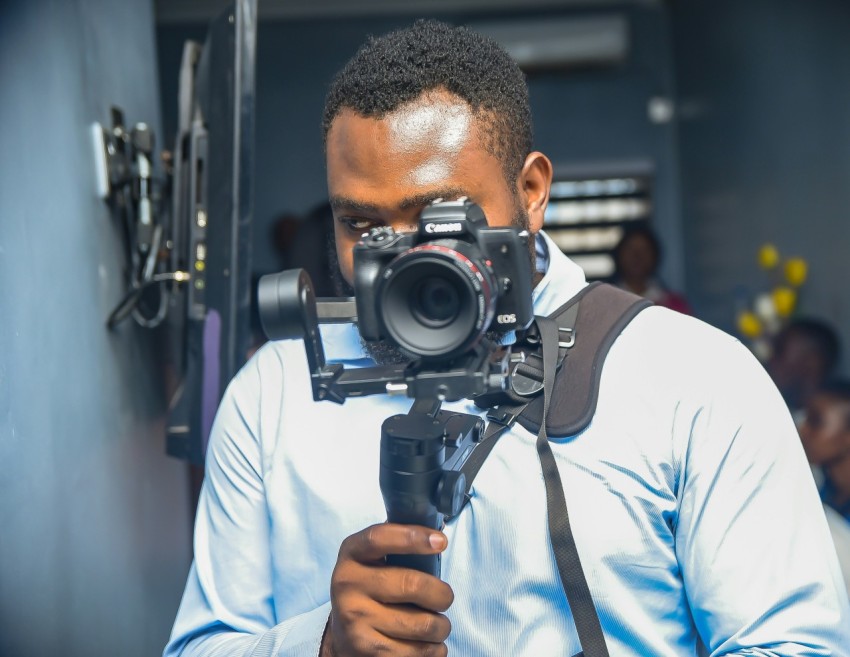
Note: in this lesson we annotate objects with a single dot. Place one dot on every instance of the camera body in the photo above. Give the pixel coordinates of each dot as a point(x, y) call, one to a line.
point(435, 292)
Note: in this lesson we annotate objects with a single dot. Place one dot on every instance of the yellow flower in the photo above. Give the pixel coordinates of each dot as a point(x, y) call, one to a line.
point(749, 325)
point(795, 271)
point(784, 299)
point(768, 256)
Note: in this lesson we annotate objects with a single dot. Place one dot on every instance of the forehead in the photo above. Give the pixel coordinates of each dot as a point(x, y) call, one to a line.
point(796, 343)
point(431, 143)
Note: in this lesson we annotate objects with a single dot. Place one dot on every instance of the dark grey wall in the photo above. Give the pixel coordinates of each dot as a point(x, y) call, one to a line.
point(765, 147)
point(94, 518)
point(580, 117)
point(601, 116)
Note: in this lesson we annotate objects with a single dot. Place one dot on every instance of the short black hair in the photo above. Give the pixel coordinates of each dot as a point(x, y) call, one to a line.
point(396, 68)
point(820, 335)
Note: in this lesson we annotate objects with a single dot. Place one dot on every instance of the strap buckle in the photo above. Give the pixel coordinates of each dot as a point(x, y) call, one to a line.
point(505, 416)
point(571, 340)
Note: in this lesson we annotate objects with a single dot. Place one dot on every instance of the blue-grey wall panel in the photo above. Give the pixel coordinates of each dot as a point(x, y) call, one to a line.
point(765, 147)
point(94, 518)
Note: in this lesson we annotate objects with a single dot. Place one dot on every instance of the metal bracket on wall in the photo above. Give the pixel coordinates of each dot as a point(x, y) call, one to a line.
point(124, 173)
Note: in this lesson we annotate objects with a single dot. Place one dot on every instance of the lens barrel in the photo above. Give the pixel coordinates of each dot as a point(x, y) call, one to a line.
point(438, 299)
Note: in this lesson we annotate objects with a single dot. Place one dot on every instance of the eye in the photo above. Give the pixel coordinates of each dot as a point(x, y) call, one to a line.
point(358, 225)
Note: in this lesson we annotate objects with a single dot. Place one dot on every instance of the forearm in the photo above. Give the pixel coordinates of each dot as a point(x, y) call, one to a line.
point(782, 650)
point(299, 636)
point(219, 644)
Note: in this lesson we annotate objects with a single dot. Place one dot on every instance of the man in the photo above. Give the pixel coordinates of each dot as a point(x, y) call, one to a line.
point(805, 354)
point(637, 257)
point(690, 500)
point(825, 433)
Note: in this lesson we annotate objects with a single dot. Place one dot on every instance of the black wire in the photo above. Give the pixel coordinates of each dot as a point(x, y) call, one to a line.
point(128, 304)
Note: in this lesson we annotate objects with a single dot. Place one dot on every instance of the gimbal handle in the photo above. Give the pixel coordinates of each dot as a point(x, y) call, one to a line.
point(421, 478)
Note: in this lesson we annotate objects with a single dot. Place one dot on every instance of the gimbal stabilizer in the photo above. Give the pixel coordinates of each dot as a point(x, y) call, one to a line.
point(422, 452)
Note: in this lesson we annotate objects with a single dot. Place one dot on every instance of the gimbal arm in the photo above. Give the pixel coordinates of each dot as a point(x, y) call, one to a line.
point(288, 309)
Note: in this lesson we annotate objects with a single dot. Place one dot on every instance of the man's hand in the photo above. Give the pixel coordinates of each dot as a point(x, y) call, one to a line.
point(378, 609)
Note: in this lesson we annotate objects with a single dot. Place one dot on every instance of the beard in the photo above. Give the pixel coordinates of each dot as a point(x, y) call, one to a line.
point(385, 352)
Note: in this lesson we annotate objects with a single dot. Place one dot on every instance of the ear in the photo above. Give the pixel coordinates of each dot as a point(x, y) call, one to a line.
point(534, 183)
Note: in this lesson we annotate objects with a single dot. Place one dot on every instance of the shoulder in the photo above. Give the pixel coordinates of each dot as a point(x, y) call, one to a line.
point(264, 370)
point(687, 380)
point(277, 355)
point(254, 397)
point(840, 528)
point(660, 345)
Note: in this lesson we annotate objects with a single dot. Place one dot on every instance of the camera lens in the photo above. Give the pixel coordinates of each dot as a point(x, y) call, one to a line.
point(436, 301)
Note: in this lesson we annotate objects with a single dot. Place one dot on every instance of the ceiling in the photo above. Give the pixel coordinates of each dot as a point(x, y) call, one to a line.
point(193, 11)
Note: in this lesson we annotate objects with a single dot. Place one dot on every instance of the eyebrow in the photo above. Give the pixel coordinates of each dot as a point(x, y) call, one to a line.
point(415, 201)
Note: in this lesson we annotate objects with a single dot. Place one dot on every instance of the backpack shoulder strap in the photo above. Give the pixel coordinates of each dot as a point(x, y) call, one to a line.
point(589, 322)
point(604, 311)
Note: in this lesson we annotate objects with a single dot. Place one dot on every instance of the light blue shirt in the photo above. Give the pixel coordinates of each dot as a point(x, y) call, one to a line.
point(693, 508)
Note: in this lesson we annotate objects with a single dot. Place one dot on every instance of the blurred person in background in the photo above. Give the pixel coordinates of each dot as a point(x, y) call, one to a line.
point(300, 243)
point(804, 356)
point(825, 433)
point(312, 248)
point(637, 257)
point(305, 243)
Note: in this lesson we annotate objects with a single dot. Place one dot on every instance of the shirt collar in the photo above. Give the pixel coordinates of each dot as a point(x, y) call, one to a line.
point(562, 281)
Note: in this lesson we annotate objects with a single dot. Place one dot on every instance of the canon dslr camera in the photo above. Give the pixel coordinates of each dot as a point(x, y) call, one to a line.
point(435, 292)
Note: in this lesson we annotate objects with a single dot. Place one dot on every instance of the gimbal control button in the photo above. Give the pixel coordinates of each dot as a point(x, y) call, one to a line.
point(450, 492)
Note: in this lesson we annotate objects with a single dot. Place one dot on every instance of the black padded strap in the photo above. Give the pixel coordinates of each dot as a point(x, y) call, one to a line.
point(603, 314)
point(560, 533)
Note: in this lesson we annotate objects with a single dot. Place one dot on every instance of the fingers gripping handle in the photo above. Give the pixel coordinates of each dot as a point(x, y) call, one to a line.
point(416, 489)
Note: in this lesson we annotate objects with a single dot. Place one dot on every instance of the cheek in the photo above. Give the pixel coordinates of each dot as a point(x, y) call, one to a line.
point(807, 438)
point(821, 448)
point(810, 436)
point(347, 267)
point(499, 213)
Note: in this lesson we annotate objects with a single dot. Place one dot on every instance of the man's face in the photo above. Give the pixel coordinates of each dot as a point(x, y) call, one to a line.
point(825, 432)
point(383, 172)
point(796, 366)
point(637, 259)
